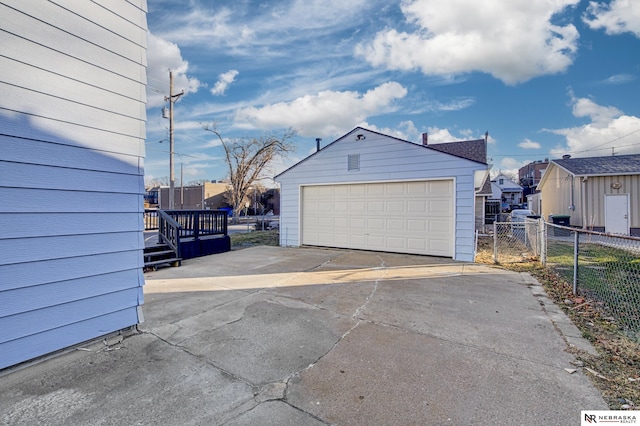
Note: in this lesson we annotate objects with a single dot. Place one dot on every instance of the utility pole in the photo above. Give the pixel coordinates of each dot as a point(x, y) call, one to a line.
point(171, 99)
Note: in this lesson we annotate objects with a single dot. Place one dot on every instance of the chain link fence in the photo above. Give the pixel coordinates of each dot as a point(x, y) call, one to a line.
point(515, 242)
point(603, 268)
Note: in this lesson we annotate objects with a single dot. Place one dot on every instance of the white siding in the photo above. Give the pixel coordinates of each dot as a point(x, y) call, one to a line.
point(382, 158)
point(72, 120)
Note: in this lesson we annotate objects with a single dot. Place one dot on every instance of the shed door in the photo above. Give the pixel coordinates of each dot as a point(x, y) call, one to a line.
point(616, 213)
point(403, 217)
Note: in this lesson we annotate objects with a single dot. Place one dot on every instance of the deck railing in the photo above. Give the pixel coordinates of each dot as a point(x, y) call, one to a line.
point(150, 219)
point(200, 223)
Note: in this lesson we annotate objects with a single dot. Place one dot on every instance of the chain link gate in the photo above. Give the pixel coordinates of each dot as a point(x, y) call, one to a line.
point(518, 241)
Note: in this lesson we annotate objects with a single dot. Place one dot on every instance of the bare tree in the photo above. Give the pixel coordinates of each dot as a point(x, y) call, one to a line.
point(247, 159)
point(159, 181)
point(509, 174)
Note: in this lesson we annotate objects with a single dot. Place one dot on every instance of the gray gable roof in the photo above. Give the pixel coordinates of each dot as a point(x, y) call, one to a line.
point(595, 166)
point(486, 187)
point(468, 150)
point(475, 150)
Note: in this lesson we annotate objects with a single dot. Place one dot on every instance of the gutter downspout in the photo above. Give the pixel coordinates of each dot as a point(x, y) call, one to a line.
point(583, 201)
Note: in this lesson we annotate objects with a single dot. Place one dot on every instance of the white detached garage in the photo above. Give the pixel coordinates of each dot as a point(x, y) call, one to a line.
point(371, 191)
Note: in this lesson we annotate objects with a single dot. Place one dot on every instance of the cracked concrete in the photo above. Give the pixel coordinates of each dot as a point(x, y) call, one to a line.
point(315, 337)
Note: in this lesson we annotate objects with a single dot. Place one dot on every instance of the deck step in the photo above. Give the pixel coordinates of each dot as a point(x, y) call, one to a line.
point(174, 261)
point(160, 255)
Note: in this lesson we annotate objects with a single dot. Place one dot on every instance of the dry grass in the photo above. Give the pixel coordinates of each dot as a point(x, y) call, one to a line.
point(255, 238)
point(615, 371)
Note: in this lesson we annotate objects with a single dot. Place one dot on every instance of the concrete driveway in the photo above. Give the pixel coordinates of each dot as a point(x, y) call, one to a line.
point(283, 336)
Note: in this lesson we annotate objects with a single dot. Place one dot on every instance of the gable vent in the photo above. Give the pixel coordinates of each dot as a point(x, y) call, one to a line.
point(353, 162)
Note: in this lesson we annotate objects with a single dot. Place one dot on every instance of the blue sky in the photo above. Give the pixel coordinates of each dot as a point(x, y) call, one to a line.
point(543, 77)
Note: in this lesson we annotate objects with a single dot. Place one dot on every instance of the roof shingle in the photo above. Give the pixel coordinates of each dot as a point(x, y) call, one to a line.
point(611, 165)
point(475, 150)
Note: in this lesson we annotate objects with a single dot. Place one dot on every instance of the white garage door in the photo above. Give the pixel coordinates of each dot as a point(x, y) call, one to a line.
point(403, 217)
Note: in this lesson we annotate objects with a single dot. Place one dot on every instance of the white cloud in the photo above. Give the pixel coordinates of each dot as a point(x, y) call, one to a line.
point(619, 79)
point(406, 130)
point(272, 27)
point(510, 164)
point(609, 128)
point(329, 113)
point(163, 56)
point(224, 80)
point(600, 116)
point(437, 135)
point(513, 40)
point(616, 17)
point(529, 144)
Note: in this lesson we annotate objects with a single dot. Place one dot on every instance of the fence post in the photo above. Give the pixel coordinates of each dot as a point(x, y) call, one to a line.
point(542, 238)
point(575, 262)
point(196, 225)
point(495, 242)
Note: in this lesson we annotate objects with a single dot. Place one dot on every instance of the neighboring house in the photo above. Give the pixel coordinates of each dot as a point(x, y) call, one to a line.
point(598, 193)
point(529, 178)
point(72, 114)
point(531, 174)
point(487, 208)
point(207, 196)
point(370, 191)
point(510, 192)
point(534, 203)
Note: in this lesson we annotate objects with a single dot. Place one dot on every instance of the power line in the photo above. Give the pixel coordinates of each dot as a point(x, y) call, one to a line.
point(575, 152)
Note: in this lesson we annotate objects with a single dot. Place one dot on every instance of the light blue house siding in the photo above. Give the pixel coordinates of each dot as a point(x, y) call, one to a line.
point(72, 130)
point(382, 159)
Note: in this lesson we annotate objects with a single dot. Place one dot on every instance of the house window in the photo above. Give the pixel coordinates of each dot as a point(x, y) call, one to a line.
point(501, 181)
point(353, 162)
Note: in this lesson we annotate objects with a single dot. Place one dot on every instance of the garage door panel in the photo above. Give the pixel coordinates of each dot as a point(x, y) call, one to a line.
point(394, 188)
point(435, 225)
point(417, 188)
point(358, 223)
point(376, 224)
point(440, 188)
point(395, 207)
point(439, 206)
point(396, 225)
point(417, 207)
point(357, 241)
point(357, 207)
point(322, 207)
point(417, 244)
point(396, 243)
point(377, 189)
point(325, 222)
point(376, 242)
point(406, 217)
point(341, 238)
point(341, 222)
point(356, 190)
point(341, 206)
point(375, 206)
point(416, 225)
